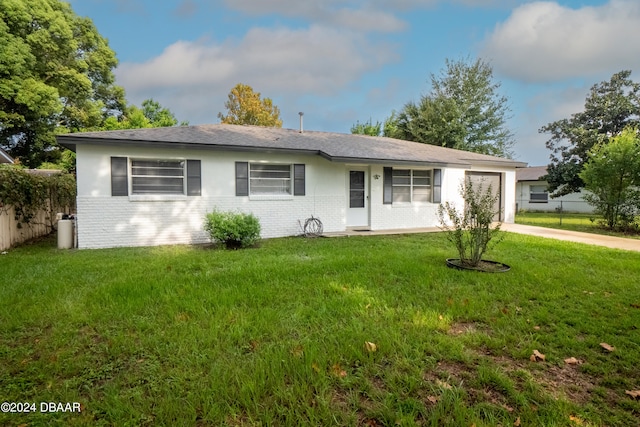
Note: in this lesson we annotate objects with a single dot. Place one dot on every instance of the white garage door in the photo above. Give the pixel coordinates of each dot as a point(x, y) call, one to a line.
point(485, 179)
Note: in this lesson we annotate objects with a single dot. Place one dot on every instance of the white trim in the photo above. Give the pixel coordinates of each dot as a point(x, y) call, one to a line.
point(157, 197)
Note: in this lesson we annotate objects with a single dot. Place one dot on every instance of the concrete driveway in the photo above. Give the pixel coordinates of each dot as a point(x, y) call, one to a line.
point(575, 236)
point(551, 233)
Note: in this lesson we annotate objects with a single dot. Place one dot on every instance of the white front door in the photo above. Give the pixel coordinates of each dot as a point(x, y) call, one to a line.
point(358, 198)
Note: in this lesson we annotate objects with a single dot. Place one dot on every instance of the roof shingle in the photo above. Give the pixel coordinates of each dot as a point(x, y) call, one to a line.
point(333, 146)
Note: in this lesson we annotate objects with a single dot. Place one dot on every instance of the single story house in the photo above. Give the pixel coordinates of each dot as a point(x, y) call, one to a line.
point(532, 194)
point(4, 157)
point(147, 187)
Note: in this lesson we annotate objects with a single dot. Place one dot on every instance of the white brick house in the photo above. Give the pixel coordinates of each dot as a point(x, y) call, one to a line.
point(148, 187)
point(532, 194)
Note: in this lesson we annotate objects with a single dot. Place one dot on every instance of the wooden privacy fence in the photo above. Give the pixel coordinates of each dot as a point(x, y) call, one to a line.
point(14, 232)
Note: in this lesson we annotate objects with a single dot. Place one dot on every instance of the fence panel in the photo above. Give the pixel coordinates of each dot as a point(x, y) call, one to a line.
point(12, 232)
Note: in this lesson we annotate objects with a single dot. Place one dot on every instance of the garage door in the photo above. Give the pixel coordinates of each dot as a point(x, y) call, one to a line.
point(485, 179)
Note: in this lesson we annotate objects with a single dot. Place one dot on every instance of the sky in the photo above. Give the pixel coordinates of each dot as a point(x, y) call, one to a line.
point(343, 61)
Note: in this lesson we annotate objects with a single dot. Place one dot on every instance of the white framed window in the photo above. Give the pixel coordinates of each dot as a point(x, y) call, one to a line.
point(158, 176)
point(269, 179)
point(538, 194)
point(411, 185)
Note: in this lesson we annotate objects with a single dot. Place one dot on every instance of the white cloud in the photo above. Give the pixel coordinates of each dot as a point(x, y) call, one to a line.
point(543, 41)
point(317, 61)
point(359, 15)
point(336, 13)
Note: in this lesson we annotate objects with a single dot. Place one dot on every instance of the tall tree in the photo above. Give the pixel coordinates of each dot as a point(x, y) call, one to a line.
point(612, 176)
point(56, 71)
point(464, 110)
point(388, 128)
point(151, 115)
point(367, 128)
point(609, 108)
point(245, 107)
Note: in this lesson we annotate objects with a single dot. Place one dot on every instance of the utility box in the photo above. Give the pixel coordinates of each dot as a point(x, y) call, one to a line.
point(65, 234)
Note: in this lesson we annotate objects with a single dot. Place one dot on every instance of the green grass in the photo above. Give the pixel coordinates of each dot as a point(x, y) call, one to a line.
point(276, 335)
point(586, 223)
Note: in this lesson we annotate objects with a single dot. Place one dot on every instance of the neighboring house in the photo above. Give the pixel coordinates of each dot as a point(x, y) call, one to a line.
point(532, 193)
point(4, 157)
point(146, 187)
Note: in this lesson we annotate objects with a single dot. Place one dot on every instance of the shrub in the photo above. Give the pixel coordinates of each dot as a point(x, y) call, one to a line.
point(29, 192)
point(234, 230)
point(471, 229)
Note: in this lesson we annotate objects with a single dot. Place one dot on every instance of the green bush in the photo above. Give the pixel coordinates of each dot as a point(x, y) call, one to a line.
point(29, 192)
point(234, 230)
point(471, 228)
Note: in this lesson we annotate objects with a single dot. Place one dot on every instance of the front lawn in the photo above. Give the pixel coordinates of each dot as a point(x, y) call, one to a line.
point(585, 223)
point(278, 335)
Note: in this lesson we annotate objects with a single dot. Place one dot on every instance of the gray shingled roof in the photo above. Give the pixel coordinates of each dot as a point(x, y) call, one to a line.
point(533, 173)
point(333, 146)
point(4, 157)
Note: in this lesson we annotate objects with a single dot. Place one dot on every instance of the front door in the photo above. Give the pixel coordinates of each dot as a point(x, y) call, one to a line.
point(358, 199)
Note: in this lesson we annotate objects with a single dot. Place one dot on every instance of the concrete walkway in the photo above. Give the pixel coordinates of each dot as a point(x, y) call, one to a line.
point(551, 233)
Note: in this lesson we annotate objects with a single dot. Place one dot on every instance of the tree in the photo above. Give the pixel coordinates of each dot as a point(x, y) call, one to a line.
point(463, 110)
point(367, 128)
point(151, 115)
point(55, 73)
point(609, 108)
point(612, 176)
point(388, 128)
point(471, 228)
point(244, 107)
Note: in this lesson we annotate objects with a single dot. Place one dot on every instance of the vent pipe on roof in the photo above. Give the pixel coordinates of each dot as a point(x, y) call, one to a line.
point(301, 114)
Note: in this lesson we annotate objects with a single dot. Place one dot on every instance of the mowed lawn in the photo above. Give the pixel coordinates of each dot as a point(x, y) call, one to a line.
point(586, 223)
point(370, 330)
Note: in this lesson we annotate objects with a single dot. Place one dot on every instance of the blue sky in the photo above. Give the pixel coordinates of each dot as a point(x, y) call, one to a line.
point(340, 61)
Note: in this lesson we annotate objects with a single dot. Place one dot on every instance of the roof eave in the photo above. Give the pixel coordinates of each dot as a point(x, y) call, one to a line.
point(72, 142)
point(6, 156)
point(376, 161)
point(501, 163)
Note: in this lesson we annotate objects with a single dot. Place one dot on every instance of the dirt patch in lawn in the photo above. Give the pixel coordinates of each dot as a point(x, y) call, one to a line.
point(448, 374)
point(558, 380)
point(461, 328)
point(561, 381)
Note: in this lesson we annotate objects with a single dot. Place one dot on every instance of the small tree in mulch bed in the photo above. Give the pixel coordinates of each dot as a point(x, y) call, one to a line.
point(472, 228)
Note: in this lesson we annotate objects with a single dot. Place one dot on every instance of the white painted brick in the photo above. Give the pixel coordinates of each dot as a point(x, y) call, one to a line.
point(105, 221)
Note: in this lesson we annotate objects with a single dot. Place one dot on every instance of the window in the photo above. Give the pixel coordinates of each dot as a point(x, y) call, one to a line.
point(269, 179)
point(265, 179)
point(410, 185)
point(538, 194)
point(157, 176)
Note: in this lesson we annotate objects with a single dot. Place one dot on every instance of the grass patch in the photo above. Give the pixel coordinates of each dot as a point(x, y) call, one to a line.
point(586, 223)
point(181, 335)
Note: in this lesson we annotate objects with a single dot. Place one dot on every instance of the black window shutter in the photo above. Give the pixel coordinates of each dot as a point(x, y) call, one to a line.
point(194, 182)
point(119, 172)
point(387, 188)
point(437, 185)
point(298, 180)
point(242, 179)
